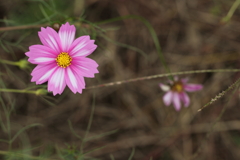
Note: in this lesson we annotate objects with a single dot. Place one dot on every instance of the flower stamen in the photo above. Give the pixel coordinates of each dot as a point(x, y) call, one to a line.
point(63, 60)
point(177, 87)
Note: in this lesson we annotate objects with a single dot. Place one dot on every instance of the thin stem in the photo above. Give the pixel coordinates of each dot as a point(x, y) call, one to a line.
point(132, 154)
point(89, 124)
point(214, 123)
point(22, 27)
point(163, 75)
point(220, 94)
point(9, 130)
point(233, 8)
point(17, 91)
point(9, 62)
point(231, 11)
point(73, 131)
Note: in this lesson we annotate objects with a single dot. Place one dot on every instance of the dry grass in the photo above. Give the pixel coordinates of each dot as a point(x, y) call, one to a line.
point(191, 37)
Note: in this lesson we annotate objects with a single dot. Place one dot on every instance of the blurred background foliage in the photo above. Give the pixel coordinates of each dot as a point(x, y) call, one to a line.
point(127, 121)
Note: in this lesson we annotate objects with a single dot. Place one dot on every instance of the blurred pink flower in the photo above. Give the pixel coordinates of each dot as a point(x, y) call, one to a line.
point(176, 92)
point(61, 60)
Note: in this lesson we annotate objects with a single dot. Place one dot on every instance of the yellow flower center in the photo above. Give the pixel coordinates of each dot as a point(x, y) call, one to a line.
point(177, 87)
point(63, 60)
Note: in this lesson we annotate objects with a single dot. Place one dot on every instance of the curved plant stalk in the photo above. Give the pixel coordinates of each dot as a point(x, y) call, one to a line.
point(220, 94)
point(162, 75)
point(37, 92)
point(231, 11)
point(211, 129)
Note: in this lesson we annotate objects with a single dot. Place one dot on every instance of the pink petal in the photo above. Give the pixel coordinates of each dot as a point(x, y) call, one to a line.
point(67, 35)
point(78, 44)
point(176, 101)
point(84, 66)
point(42, 73)
point(41, 60)
point(80, 81)
point(164, 87)
point(41, 51)
point(39, 54)
point(56, 82)
point(50, 38)
point(167, 98)
point(73, 81)
point(184, 97)
point(82, 46)
point(192, 87)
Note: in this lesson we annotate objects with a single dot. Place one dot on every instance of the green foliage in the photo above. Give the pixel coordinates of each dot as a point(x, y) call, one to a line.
point(236, 139)
point(38, 11)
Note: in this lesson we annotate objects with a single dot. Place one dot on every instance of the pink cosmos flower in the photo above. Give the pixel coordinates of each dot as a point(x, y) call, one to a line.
point(61, 60)
point(176, 92)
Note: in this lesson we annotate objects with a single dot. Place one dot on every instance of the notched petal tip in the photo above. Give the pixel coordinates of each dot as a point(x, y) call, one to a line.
point(54, 93)
point(42, 29)
point(94, 46)
point(27, 54)
point(86, 36)
point(67, 24)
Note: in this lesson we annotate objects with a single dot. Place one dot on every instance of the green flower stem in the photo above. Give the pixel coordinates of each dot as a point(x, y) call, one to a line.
point(231, 11)
point(163, 75)
point(16, 91)
point(22, 63)
point(37, 92)
point(9, 62)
